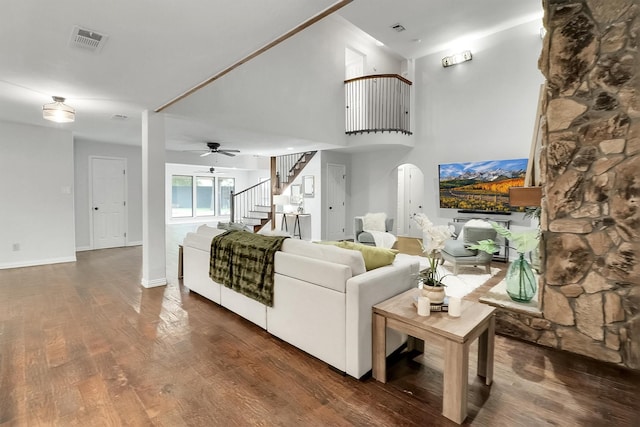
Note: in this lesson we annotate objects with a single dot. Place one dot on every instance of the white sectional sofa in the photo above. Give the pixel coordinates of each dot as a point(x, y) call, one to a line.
point(322, 297)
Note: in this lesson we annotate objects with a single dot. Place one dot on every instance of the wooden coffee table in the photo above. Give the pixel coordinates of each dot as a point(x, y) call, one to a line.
point(456, 334)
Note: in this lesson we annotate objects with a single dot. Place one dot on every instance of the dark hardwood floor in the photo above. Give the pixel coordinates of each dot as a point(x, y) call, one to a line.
point(84, 344)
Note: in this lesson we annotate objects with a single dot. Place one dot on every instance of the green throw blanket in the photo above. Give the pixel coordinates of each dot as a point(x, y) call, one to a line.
point(244, 262)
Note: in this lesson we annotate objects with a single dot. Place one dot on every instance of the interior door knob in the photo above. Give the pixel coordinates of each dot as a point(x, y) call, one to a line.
point(330, 207)
point(95, 209)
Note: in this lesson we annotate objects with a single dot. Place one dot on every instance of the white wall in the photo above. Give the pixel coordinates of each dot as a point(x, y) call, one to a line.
point(312, 226)
point(480, 110)
point(295, 89)
point(83, 149)
point(36, 189)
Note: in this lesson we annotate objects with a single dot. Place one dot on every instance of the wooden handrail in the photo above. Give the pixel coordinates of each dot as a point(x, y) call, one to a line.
point(249, 188)
point(377, 76)
point(337, 6)
point(377, 103)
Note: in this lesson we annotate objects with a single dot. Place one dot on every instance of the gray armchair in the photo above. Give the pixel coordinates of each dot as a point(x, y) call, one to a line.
point(361, 236)
point(456, 251)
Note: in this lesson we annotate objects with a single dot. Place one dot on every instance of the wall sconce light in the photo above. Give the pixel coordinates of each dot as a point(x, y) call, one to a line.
point(58, 111)
point(457, 58)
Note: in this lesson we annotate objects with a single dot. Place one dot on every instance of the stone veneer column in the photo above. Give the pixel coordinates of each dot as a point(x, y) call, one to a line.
point(591, 180)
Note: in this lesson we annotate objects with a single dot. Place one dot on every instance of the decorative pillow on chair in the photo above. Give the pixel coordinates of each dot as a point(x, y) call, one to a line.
point(374, 222)
point(373, 257)
point(476, 223)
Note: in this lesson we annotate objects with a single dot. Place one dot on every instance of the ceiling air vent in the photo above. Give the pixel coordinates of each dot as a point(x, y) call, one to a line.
point(87, 39)
point(398, 27)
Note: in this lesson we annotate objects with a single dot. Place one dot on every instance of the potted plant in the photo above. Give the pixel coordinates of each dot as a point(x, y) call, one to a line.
point(434, 237)
point(520, 280)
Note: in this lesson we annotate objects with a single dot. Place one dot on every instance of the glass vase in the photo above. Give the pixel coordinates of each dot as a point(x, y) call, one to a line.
point(521, 282)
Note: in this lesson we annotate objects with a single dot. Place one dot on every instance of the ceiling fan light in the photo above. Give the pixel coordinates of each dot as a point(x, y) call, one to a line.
point(58, 111)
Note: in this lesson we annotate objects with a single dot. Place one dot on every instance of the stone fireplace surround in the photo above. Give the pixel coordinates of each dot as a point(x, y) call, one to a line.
point(590, 163)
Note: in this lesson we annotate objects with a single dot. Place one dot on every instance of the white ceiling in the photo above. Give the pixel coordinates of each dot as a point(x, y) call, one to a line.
point(157, 49)
point(435, 25)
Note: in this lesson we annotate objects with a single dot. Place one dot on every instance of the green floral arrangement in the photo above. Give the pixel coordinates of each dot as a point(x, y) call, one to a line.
point(521, 241)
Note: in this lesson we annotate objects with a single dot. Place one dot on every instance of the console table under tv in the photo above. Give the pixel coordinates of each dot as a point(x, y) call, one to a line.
point(503, 242)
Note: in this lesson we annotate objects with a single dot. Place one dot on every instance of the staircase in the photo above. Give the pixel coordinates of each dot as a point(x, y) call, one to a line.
point(258, 217)
point(253, 206)
point(288, 167)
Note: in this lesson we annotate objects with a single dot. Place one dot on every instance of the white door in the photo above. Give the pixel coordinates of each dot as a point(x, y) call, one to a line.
point(336, 213)
point(108, 202)
point(412, 198)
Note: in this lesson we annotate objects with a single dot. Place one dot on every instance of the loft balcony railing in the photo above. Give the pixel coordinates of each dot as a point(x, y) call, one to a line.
point(377, 103)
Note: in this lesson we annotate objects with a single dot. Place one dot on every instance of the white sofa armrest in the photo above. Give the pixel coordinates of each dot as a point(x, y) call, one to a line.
point(363, 292)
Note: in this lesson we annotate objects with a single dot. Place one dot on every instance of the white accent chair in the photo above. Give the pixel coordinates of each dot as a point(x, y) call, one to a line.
point(364, 237)
point(456, 251)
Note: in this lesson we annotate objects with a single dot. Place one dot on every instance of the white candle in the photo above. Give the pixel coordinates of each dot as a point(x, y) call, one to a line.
point(424, 306)
point(455, 306)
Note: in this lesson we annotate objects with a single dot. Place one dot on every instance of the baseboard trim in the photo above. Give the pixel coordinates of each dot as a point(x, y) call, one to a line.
point(89, 248)
point(153, 283)
point(33, 263)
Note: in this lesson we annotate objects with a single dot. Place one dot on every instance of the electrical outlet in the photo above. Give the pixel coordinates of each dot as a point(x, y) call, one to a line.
point(16, 247)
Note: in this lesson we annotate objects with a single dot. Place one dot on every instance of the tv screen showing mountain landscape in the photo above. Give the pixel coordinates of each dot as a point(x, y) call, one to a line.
point(480, 185)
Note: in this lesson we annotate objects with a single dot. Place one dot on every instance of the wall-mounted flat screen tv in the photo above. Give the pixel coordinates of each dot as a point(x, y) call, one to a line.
point(481, 186)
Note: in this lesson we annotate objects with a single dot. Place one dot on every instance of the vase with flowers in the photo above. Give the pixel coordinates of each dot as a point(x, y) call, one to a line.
point(520, 280)
point(434, 238)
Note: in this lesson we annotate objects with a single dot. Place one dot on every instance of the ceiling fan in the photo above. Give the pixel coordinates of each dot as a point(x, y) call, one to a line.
point(214, 147)
point(211, 170)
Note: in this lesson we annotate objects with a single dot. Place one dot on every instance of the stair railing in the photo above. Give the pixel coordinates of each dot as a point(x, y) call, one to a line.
point(289, 166)
point(284, 170)
point(247, 199)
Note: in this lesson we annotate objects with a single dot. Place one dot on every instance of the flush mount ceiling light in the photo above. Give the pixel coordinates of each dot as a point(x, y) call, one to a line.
point(457, 58)
point(58, 111)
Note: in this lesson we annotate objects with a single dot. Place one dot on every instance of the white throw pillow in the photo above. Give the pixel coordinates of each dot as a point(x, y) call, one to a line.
point(477, 223)
point(374, 222)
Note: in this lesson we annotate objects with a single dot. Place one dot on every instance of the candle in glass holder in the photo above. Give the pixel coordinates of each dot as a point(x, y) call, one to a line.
point(455, 306)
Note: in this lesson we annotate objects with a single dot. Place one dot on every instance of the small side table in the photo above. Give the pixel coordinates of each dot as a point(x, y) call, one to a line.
point(297, 231)
point(455, 333)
